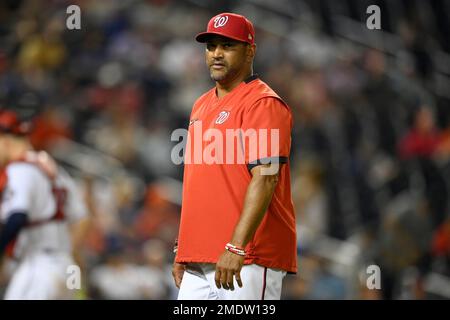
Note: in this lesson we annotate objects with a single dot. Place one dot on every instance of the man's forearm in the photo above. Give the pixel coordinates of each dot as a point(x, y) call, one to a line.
point(257, 199)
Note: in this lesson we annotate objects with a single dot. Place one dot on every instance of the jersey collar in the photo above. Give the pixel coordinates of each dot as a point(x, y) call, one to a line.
point(251, 78)
point(246, 81)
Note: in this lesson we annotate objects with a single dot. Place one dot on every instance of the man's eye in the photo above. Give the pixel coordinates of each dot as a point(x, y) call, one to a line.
point(227, 45)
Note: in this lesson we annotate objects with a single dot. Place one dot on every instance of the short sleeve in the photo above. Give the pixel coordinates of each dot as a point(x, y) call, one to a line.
point(18, 193)
point(267, 126)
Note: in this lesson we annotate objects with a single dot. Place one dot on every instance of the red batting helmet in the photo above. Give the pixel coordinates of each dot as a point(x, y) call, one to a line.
point(11, 123)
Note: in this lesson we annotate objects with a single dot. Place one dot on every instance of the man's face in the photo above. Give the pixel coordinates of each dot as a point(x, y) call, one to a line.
point(225, 57)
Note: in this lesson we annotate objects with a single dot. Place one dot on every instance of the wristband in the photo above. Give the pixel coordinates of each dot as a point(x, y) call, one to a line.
point(236, 250)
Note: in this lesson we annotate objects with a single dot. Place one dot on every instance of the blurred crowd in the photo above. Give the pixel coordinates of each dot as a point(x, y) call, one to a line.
point(370, 148)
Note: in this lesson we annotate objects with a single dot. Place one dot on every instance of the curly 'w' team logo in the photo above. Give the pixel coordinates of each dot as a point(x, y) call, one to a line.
point(220, 21)
point(223, 116)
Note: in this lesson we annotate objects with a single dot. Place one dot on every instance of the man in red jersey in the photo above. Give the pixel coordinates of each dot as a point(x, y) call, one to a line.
point(237, 237)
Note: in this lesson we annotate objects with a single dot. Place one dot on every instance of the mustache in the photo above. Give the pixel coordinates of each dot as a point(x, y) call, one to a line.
point(213, 62)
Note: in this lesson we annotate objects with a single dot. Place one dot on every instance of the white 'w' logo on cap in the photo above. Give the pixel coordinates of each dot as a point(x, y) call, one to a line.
point(220, 21)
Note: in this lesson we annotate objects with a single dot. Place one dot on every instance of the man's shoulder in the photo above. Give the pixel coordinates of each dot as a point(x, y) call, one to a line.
point(262, 92)
point(263, 89)
point(21, 167)
point(24, 171)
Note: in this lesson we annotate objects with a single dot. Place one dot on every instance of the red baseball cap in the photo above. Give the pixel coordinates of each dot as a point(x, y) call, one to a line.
point(230, 25)
point(10, 123)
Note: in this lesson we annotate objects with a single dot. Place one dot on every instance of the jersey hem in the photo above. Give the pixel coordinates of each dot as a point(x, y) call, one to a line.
point(258, 261)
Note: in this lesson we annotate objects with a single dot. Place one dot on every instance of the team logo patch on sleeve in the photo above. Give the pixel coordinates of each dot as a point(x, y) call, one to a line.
point(223, 116)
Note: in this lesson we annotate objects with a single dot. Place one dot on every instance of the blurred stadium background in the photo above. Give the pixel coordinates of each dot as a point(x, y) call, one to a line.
point(371, 145)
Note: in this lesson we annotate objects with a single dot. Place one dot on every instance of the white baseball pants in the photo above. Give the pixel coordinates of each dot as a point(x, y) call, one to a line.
point(258, 283)
point(41, 276)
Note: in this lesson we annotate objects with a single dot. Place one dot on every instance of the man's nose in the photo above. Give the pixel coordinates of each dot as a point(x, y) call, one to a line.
point(218, 52)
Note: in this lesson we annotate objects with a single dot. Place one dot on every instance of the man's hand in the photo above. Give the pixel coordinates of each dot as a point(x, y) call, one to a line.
point(229, 266)
point(177, 273)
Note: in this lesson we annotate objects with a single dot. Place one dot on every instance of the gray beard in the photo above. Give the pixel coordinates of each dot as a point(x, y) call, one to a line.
point(224, 76)
point(218, 77)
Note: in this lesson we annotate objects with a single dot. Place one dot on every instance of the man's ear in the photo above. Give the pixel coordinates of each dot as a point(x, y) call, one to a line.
point(251, 52)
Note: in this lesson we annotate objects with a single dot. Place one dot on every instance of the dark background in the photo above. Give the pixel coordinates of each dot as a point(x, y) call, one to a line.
point(370, 151)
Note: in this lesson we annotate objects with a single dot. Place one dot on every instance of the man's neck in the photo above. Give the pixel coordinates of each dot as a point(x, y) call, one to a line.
point(223, 89)
point(19, 151)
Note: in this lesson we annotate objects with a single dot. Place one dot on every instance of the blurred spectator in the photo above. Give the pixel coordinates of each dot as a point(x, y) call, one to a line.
point(309, 196)
point(50, 126)
point(441, 248)
point(403, 242)
point(158, 218)
point(423, 138)
point(120, 279)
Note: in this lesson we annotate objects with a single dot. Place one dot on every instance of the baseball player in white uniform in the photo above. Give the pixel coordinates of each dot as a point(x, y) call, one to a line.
point(38, 205)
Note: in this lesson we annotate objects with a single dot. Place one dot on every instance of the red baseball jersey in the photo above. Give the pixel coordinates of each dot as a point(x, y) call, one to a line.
point(227, 137)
